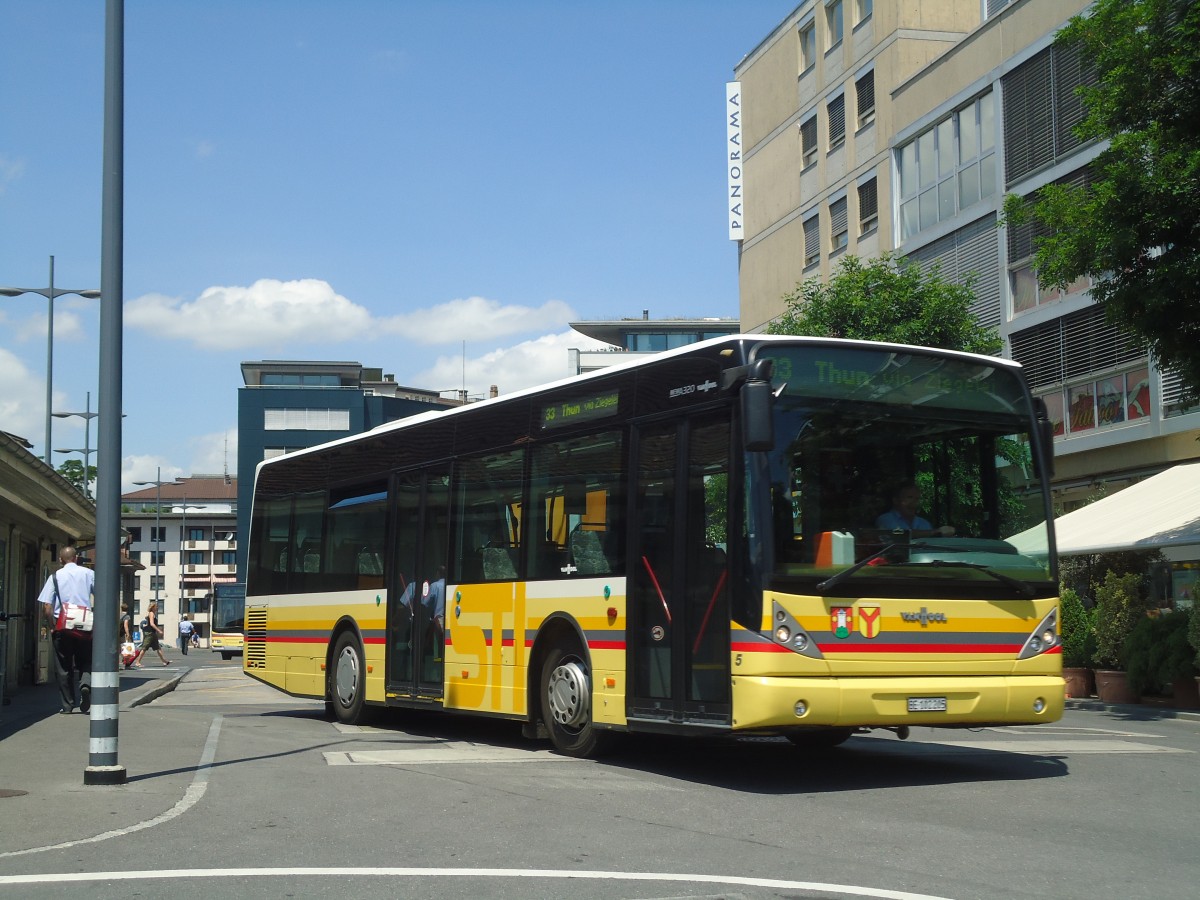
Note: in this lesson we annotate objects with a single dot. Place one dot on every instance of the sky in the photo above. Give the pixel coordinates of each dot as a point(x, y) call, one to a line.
point(432, 189)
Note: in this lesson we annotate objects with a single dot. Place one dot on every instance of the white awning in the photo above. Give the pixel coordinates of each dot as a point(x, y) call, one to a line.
point(1162, 511)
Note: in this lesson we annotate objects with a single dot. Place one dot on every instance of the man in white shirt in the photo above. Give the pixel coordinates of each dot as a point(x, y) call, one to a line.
point(72, 652)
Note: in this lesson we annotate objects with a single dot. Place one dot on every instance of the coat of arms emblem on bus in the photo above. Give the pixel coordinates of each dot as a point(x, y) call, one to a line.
point(842, 620)
point(868, 621)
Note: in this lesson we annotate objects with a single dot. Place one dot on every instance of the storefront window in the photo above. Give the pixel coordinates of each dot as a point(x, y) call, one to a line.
point(1137, 394)
point(1082, 400)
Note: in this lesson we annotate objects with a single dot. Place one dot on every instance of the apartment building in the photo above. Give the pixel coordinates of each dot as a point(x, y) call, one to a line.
point(869, 128)
point(641, 336)
point(185, 536)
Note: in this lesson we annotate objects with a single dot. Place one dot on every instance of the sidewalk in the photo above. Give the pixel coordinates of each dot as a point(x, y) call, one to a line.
point(43, 756)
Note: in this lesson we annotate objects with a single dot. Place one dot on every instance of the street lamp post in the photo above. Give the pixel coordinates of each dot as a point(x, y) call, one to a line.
point(158, 483)
point(87, 450)
point(49, 293)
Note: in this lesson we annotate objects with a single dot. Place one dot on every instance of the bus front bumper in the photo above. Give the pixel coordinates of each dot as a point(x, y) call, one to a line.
point(774, 702)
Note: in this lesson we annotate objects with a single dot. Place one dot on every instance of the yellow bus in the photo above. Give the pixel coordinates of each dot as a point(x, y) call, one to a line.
point(227, 619)
point(697, 543)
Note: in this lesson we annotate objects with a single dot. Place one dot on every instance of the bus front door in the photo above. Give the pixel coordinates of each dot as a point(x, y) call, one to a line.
point(678, 631)
point(417, 592)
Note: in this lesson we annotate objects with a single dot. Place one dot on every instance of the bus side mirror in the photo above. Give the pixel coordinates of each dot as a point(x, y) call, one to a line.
point(1043, 458)
point(758, 431)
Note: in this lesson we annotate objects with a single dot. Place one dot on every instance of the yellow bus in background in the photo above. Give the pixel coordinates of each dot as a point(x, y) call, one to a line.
point(690, 544)
point(227, 619)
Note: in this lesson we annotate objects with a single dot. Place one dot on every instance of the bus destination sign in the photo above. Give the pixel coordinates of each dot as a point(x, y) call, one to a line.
point(579, 409)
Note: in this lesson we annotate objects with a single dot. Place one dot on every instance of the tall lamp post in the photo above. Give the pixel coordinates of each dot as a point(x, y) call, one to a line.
point(158, 483)
point(87, 450)
point(49, 293)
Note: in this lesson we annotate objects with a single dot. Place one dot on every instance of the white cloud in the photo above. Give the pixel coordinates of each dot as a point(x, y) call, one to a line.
point(205, 149)
point(277, 314)
point(215, 453)
point(146, 468)
point(22, 399)
point(269, 312)
point(10, 171)
point(524, 365)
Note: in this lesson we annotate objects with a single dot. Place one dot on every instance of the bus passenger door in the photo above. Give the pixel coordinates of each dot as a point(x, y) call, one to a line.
point(417, 592)
point(679, 611)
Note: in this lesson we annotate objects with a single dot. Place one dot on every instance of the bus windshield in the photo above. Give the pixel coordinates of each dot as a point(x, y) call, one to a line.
point(902, 474)
point(229, 609)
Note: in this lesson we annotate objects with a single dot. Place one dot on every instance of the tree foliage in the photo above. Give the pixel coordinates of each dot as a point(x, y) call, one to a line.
point(887, 299)
point(1134, 226)
point(72, 470)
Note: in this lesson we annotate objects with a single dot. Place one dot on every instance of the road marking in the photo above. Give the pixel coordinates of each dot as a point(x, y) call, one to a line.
point(392, 872)
point(191, 797)
point(439, 752)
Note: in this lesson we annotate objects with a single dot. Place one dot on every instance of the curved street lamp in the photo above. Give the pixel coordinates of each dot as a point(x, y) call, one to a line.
point(49, 293)
point(87, 450)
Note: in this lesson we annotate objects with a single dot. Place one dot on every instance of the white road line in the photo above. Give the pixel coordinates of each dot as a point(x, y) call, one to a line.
point(191, 797)
point(677, 877)
point(443, 752)
point(1068, 747)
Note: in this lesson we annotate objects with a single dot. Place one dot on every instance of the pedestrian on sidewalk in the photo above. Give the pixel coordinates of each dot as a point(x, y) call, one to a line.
point(76, 585)
point(186, 630)
point(151, 636)
point(125, 631)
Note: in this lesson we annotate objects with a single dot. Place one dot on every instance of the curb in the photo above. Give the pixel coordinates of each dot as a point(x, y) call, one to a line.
point(1132, 710)
point(154, 691)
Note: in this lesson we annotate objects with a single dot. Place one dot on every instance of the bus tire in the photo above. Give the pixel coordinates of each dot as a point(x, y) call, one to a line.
point(818, 739)
point(225, 655)
point(347, 688)
point(566, 697)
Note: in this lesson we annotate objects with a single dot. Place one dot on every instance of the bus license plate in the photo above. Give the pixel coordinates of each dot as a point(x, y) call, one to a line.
point(926, 704)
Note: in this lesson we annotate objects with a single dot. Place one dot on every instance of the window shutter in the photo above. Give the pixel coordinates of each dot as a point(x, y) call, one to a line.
point(868, 205)
point(808, 138)
point(1028, 117)
point(973, 250)
point(864, 91)
point(837, 120)
point(1069, 74)
point(812, 240)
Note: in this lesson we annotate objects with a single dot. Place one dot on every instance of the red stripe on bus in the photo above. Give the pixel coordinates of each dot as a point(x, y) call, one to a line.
point(739, 647)
point(606, 645)
point(920, 648)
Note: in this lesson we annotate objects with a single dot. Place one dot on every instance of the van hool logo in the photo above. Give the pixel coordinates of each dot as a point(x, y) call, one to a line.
point(924, 617)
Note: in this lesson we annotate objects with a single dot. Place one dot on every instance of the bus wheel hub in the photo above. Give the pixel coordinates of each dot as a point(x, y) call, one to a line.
point(566, 695)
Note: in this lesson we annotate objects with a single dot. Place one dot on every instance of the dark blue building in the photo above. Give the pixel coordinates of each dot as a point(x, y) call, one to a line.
point(289, 405)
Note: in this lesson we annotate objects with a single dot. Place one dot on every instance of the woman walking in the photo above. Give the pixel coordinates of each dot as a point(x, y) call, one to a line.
point(151, 634)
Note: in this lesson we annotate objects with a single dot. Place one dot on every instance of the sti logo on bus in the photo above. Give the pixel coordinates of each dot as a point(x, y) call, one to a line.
point(703, 387)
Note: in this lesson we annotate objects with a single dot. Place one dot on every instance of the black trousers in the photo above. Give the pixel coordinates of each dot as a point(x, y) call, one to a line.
point(72, 656)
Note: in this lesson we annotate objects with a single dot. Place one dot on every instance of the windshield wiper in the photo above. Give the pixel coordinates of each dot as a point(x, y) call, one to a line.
point(1017, 585)
point(834, 580)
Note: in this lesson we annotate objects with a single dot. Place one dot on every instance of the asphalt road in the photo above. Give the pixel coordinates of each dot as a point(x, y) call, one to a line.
point(269, 799)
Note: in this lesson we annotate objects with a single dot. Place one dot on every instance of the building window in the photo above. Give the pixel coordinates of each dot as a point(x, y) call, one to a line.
point(1026, 293)
point(158, 582)
point(1041, 110)
point(864, 8)
point(864, 98)
point(158, 535)
point(808, 46)
point(836, 110)
point(228, 557)
point(306, 420)
point(158, 557)
point(947, 168)
point(833, 20)
point(838, 226)
point(135, 534)
point(195, 558)
point(812, 240)
point(868, 206)
point(1100, 403)
point(808, 141)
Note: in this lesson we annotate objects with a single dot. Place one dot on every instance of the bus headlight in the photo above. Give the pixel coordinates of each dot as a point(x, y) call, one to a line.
point(801, 709)
point(800, 641)
point(783, 634)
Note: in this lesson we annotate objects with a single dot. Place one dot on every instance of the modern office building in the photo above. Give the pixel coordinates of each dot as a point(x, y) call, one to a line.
point(868, 128)
point(288, 405)
point(185, 536)
point(641, 336)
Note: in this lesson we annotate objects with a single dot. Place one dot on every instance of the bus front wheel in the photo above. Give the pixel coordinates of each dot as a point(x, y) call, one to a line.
point(567, 704)
point(347, 688)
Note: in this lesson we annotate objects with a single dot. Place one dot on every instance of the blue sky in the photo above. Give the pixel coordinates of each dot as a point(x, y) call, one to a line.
point(361, 180)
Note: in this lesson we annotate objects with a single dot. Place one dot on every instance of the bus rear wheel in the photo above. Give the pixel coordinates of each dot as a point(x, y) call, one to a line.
point(346, 686)
point(567, 704)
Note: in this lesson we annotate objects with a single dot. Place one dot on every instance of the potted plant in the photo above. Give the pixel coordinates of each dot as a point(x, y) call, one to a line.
point(1158, 654)
point(1119, 608)
point(1078, 644)
point(1194, 640)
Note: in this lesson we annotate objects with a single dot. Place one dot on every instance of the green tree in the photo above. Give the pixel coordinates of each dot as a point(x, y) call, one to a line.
point(72, 470)
point(1134, 226)
point(887, 299)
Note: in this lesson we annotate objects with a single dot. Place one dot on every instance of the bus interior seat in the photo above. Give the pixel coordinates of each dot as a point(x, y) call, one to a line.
point(499, 564)
point(588, 554)
point(369, 562)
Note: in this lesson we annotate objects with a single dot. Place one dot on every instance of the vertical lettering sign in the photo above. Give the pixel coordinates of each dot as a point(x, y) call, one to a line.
point(733, 146)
